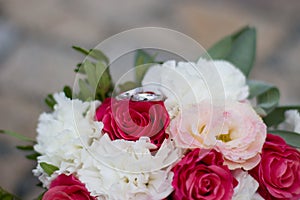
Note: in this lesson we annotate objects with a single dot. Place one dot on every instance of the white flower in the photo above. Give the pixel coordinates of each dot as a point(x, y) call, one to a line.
point(63, 133)
point(232, 79)
point(246, 188)
point(122, 169)
point(190, 83)
point(291, 122)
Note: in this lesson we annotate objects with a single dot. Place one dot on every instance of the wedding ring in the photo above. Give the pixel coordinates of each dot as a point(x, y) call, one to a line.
point(147, 97)
point(127, 95)
point(139, 94)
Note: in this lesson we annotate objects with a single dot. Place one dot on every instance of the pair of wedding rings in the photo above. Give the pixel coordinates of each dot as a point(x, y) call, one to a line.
point(140, 94)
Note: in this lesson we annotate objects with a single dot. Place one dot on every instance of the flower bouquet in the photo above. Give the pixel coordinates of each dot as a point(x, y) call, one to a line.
point(181, 130)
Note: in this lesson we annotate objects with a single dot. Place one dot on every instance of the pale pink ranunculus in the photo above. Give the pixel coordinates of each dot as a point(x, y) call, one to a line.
point(242, 136)
point(234, 129)
point(193, 127)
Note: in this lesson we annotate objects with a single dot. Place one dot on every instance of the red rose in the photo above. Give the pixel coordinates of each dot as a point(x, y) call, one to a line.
point(67, 188)
point(129, 120)
point(202, 176)
point(278, 173)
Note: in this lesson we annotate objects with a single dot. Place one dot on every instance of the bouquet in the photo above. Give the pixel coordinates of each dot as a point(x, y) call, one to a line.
point(181, 130)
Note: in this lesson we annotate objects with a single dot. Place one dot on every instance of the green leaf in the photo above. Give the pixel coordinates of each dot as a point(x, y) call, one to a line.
point(269, 100)
point(39, 185)
point(143, 61)
point(100, 69)
point(16, 135)
point(105, 85)
point(129, 85)
point(291, 138)
point(98, 82)
point(81, 50)
point(260, 111)
point(26, 148)
point(48, 168)
point(277, 115)
point(4, 195)
point(85, 92)
point(257, 88)
point(50, 101)
point(33, 156)
point(98, 55)
point(239, 49)
point(79, 69)
point(68, 92)
point(243, 50)
point(267, 95)
point(93, 53)
point(142, 57)
point(221, 49)
point(90, 69)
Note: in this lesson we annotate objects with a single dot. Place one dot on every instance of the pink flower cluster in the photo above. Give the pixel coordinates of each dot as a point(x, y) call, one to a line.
point(215, 143)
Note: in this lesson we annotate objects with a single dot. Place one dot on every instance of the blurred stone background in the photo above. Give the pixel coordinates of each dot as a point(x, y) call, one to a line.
point(36, 58)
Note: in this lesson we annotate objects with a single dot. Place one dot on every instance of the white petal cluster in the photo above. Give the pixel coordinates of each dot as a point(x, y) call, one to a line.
point(188, 83)
point(246, 188)
point(71, 140)
point(63, 133)
point(291, 122)
point(122, 169)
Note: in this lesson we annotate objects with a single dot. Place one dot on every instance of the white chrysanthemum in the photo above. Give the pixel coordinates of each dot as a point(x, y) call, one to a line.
point(246, 188)
point(190, 83)
point(291, 122)
point(122, 169)
point(63, 133)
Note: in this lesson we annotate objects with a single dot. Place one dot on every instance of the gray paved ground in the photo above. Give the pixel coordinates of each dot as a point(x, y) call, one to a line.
point(36, 59)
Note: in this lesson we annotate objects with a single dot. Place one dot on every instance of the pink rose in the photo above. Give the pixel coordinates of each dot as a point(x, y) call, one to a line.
point(67, 188)
point(278, 173)
point(131, 120)
point(203, 177)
